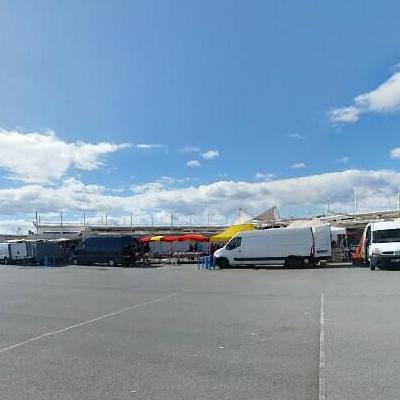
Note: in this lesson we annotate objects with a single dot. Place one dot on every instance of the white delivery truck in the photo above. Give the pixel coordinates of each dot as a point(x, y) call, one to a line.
point(4, 253)
point(280, 246)
point(382, 244)
point(13, 252)
point(18, 251)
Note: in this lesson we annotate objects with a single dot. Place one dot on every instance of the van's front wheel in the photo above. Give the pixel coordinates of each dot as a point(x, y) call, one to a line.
point(222, 263)
point(292, 262)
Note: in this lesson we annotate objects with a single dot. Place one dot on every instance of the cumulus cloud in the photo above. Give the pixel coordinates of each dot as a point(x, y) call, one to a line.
point(43, 157)
point(161, 183)
point(189, 149)
point(343, 160)
point(373, 188)
point(210, 154)
point(345, 114)
point(384, 99)
point(395, 153)
point(298, 165)
point(193, 164)
point(148, 146)
point(264, 176)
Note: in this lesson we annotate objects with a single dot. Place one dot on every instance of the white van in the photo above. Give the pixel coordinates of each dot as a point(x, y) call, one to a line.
point(4, 253)
point(382, 244)
point(13, 252)
point(280, 246)
point(18, 251)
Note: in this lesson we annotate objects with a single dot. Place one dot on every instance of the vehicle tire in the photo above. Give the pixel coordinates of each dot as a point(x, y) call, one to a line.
point(292, 262)
point(223, 263)
point(111, 263)
point(372, 266)
point(75, 261)
point(5, 261)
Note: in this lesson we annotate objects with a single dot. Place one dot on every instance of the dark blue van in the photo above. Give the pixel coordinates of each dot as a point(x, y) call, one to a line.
point(111, 250)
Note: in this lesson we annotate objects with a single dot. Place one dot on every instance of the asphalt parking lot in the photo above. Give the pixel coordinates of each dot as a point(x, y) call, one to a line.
point(177, 333)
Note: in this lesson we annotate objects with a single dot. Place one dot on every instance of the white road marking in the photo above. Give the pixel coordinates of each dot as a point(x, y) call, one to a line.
point(91, 321)
point(322, 358)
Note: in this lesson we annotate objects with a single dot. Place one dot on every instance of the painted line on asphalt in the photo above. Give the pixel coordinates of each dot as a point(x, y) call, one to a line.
point(322, 355)
point(91, 321)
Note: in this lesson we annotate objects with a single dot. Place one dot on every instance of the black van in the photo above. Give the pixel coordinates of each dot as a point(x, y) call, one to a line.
point(112, 250)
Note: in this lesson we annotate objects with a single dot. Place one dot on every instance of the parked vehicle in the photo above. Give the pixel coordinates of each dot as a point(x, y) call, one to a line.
point(5, 253)
point(382, 244)
point(281, 246)
point(47, 252)
point(18, 251)
point(112, 250)
point(13, 252)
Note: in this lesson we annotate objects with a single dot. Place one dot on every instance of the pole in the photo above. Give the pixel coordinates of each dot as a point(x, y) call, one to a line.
point(355, 206)
point(152, 219)
point(37, 223)
point(106, 219)
point(84, 219)
point(61, 219)
point(172, 219)
point(131, 222)
point(398, 202)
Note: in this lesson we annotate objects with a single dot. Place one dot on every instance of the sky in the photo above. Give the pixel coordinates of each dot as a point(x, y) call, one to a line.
point(197, 108)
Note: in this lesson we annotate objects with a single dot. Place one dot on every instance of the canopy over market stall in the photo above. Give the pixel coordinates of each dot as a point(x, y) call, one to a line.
point(228, 233)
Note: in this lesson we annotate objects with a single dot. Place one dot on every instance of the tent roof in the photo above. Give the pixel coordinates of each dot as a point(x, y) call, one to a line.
point(231, 231)
point(271, 214)
point(243, 217)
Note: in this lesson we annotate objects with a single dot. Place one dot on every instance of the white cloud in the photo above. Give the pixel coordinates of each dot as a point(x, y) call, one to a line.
point(189, 149)
point(148, 146)
point(193, 164)
point(43, 157)
point(345, 114)
point(264, 176)
point(395, 153)
point(298, 165)
point(210, 154)
point(161, 183)
point(373, 188)
point(296, 136)
point(343, 160)
point(384, 99)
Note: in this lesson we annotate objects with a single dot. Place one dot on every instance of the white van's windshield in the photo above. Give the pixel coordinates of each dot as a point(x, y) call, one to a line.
point(387, 235)
point(234, 243)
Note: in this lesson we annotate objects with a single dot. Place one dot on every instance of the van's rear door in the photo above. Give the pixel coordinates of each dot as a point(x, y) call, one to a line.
point(322, 241)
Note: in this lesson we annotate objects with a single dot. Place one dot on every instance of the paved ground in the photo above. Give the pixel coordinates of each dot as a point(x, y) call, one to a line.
point(177, 333)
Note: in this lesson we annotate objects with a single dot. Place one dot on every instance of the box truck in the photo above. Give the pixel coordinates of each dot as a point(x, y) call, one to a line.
point(280, 246)
point(13, 252)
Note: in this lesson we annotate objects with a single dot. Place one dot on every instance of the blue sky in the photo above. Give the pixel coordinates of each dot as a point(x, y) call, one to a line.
point(257, 82)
